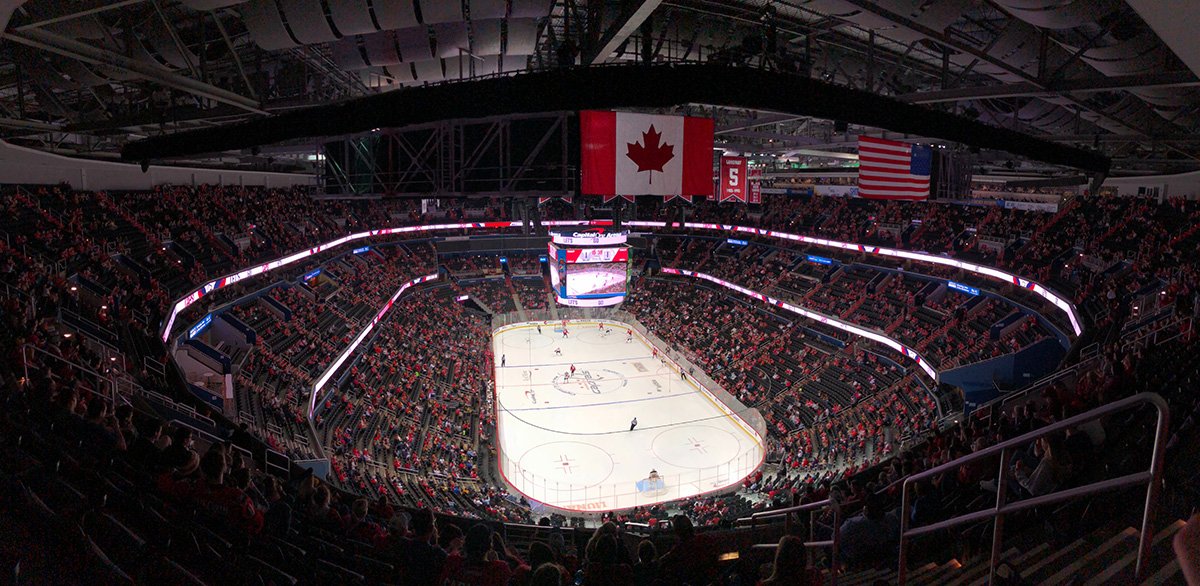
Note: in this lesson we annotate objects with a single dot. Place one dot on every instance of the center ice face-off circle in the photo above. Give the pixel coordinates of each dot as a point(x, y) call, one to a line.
point(589, 381)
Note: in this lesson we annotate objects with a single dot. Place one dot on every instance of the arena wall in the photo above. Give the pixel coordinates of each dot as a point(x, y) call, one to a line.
point(24, 166)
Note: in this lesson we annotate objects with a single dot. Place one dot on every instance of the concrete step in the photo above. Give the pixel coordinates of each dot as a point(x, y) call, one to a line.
point(940, 575)
point(1065, 553)
point(1098, 556)
point(1121, 571)
point(1016, 560)
point(862, 577)
point(973, 569)
point(1168, 575)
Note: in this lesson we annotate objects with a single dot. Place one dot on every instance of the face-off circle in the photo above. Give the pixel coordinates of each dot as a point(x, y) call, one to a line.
point(695, 446)
point(594, 336)
point(587, 381)
point(573, 465)
point(531, 341)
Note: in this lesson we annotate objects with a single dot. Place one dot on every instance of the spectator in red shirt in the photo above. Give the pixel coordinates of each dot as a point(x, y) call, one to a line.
point(472, 568)
point(210, 495)
point(358, 527)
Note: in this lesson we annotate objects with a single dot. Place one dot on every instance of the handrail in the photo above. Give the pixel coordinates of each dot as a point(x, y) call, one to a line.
point(112, 396)
point(812, 542)
point(1152, 477)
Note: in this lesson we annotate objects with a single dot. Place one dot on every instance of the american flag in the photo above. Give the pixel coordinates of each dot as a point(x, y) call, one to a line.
point(892, 170)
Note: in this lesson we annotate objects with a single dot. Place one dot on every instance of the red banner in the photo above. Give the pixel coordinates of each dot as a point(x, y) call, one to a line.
point(756, 186)
point(628, 198)
point(733, 179)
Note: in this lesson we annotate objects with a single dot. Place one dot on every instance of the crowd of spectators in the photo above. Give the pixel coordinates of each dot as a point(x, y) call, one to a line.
point(830, 413)
point(119, 259)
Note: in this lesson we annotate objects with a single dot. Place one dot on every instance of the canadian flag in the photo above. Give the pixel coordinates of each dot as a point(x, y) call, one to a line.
point(644, 154)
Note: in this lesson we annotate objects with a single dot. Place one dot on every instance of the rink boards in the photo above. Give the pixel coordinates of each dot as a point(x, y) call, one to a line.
point(564, 439)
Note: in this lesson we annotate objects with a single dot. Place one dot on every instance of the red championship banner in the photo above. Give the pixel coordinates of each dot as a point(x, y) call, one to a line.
point(734, 180)
point(756, 186)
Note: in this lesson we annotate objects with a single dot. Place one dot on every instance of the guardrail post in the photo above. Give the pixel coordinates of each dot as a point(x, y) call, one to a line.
point(837, 533)
point(998, 528)
point(905, 512)
point(1152, 488)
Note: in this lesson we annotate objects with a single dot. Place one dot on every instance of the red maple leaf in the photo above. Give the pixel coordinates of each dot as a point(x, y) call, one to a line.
point(650, 157)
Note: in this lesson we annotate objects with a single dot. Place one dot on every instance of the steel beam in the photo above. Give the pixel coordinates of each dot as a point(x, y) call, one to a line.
point(776, 136)
point(870, 7)
point(80, 14)
point(42, 40)
point(1024, 89)
point(29, 125)
point(618, 33)
point(764, 121)
point(1138, 138)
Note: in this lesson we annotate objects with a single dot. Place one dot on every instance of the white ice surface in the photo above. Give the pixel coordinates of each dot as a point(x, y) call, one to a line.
point(565, 441)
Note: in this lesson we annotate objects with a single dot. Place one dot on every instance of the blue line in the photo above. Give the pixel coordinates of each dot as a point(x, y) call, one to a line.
point(669, 396)
point(570, 363)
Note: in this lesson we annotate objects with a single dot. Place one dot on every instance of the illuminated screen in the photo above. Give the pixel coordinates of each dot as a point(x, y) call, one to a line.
point(557, 271)
point(601, 278)
point(590, 255)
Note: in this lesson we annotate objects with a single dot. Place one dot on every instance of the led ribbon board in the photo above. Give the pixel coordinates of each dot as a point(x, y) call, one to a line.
point(325, 376)
point(1066, 306)
point(829, 321)
point(1059, 302)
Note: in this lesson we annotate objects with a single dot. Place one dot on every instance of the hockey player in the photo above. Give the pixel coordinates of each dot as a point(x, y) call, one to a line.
point(633, 424)
point(558, 351)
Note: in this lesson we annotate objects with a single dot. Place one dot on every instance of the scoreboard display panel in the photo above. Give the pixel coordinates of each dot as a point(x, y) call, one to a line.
point(589, 276)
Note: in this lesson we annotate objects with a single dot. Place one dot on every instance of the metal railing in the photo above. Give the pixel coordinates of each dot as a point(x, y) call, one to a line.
point(1152, 478)
point(812, 543)
point(1171, 328)
point(105, 380)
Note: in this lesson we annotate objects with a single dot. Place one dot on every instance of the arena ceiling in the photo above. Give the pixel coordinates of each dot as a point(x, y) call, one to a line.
point(1120, 76)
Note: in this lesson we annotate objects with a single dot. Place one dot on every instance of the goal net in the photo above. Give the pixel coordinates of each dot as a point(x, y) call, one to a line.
point(651, 486)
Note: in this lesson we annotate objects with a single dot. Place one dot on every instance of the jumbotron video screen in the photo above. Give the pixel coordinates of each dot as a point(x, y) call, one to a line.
point(589, 276)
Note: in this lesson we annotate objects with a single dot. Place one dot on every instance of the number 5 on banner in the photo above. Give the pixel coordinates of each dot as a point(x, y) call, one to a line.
point(733, 176)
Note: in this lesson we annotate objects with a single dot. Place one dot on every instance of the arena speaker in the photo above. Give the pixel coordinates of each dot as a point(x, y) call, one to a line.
point(521, 209)
point(535, 220)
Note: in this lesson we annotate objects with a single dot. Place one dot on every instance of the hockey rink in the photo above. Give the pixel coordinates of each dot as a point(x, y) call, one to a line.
point(565, 440)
